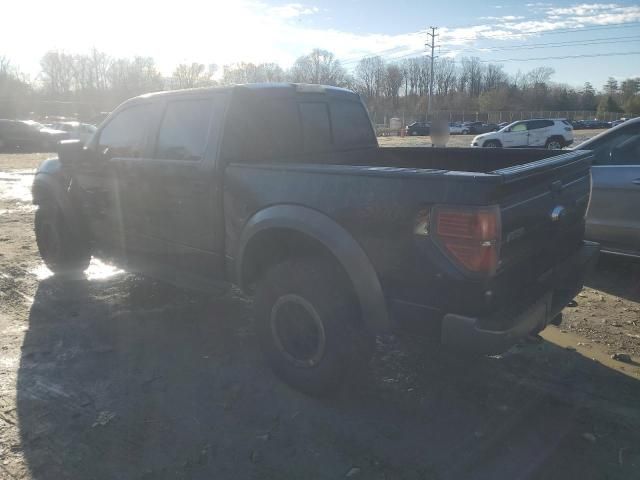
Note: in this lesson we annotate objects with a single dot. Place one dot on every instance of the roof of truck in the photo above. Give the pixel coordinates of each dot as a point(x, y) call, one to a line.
point(275, 89)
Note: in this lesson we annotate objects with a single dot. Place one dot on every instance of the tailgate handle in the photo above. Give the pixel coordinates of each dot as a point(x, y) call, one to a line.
point(556, 186)
point(636, 181)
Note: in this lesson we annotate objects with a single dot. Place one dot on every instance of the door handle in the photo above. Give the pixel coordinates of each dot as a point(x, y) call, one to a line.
point(636, 181)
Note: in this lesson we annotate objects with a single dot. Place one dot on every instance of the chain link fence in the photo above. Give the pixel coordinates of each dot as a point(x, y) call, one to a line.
point(384, 119)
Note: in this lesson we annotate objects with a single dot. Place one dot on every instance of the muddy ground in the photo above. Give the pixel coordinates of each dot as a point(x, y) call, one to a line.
point(118, 376)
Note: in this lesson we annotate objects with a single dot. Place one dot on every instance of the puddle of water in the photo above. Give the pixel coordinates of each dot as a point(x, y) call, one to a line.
point(16, 185)
point(98, 270)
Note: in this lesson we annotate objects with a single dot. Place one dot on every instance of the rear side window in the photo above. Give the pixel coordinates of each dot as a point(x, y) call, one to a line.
point(126, 134)
point(184, 130)
point(316, 131)
point(535, 124)
point(351, 125)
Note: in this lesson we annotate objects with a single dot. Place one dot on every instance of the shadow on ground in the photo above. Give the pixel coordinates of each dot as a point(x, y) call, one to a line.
point(618, 276)
point(130, 379)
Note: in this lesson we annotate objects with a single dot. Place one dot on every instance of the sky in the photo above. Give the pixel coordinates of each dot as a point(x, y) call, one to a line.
point(517, 34)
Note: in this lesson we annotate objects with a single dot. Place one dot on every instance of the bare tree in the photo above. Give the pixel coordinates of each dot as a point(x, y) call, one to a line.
point(191, 76)
point(370, 76)
point(320, 66)
point(394, 77)
point(251, 73)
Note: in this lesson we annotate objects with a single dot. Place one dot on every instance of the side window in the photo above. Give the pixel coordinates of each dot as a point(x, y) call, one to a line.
point(185, 129)
point(537, 124)
point(351, 125)
point(623, 148)
point(316, 132)
point(126, 134)
point(519, 127)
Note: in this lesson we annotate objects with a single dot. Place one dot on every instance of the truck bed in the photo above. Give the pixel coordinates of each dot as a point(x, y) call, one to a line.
point(479, 160)
point(376, 193)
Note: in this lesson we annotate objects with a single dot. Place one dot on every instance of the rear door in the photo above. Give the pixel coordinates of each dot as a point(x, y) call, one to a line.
point(614, 211)
point(516, 136)
point(539, 132)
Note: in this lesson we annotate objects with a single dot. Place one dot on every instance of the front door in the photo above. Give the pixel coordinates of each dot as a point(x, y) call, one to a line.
point(614, 214)
point(174, 193)
point(517, 136)
point(123, 138)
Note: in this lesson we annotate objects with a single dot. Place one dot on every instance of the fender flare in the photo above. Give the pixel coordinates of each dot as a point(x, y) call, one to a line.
point(50, 184)
point(337, 240)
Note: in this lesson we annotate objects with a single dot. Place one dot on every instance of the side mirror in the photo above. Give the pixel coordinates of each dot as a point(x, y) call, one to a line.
point(71, 152)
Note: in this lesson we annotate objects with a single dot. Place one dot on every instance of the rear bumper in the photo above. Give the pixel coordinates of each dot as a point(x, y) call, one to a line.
point(564, 281)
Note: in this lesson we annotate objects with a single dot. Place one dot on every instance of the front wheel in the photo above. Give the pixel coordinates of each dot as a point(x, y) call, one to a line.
point(62, 251)
point(306, 318)
point(492, 144)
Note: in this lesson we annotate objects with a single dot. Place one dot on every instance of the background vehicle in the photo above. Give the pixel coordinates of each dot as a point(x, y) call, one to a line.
point(282, 190)
point(76, 130)
point(476, 128)
point(614, 212)
point(418, 128)
point(456, 129)
point(28, 135)
point(551, 134)
point(590, 124)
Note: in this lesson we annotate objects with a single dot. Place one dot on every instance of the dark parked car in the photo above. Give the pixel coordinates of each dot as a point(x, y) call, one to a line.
point(282, 190)
point(614, 212)
point(418, 128)
point(590, 124)
point(28, 135)
point(476, 128)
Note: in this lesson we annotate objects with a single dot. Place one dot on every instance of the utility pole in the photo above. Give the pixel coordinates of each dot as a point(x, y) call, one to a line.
point(433, 36)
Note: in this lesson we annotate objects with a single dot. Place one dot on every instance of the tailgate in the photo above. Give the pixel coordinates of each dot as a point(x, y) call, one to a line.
point(543, 205)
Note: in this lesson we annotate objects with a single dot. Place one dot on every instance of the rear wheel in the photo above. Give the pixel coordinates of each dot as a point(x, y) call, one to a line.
point(414, 133)
point(492, 144)
point(62, 251)
point(306, 317)
point(554, 144)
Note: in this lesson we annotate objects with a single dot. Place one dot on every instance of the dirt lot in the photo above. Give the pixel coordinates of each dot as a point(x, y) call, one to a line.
point(464, 140)
point(118, 376)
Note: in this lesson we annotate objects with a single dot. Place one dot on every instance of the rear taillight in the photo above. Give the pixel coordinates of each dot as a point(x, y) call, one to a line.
point(469, 235)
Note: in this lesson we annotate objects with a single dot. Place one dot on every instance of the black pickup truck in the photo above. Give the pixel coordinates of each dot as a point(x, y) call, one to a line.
point(282, 190)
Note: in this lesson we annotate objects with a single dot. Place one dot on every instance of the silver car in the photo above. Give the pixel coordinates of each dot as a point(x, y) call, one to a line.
point(613, 218)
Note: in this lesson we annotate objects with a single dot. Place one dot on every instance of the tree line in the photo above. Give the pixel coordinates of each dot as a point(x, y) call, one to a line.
point(95, 82)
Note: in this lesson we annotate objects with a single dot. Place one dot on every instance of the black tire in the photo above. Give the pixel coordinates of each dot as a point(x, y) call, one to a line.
point(62, 251)
point(306, 317)
point(554, 143)
point(492, 144)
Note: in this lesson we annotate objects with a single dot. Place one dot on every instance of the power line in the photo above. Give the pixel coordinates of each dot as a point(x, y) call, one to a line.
point(483, 36)
point(516, 47)
point(536, 46)
point(561, 57)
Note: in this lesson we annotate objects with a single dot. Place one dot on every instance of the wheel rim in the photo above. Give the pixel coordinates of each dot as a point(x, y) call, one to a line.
point(297, 331)
point(492, 145)
point(554, 145)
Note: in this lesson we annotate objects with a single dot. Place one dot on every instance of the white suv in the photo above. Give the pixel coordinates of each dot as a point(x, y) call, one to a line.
point(552, 134)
